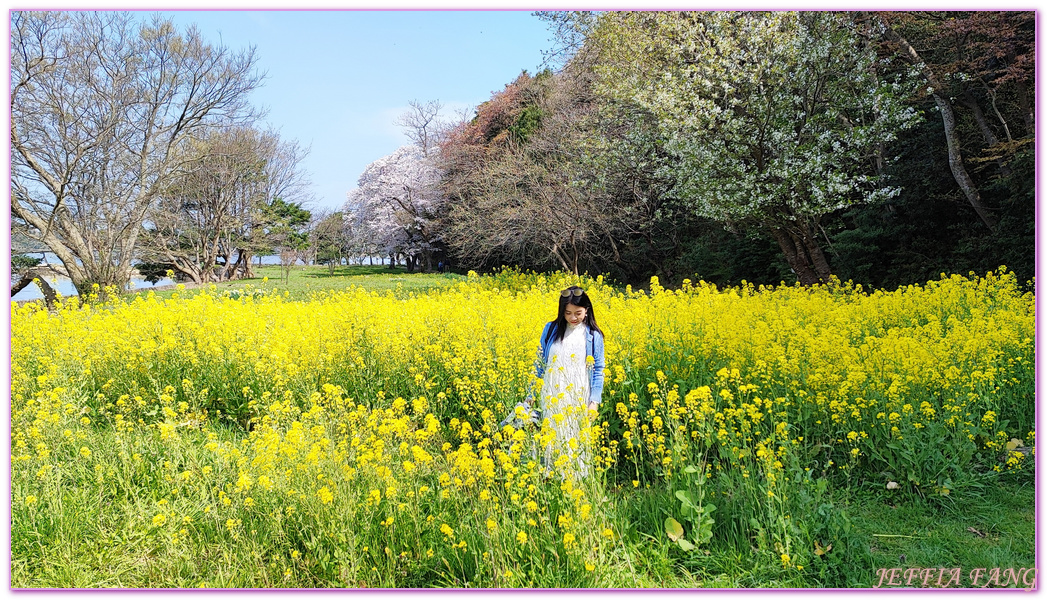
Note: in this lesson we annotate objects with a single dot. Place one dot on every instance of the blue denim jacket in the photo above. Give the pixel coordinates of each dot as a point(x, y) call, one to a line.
point(593, 348)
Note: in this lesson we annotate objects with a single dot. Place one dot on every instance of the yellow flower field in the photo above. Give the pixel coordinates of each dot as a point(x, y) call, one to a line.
point(246, 440)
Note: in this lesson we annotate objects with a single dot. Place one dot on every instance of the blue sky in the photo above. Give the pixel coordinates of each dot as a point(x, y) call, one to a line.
point(337, 80)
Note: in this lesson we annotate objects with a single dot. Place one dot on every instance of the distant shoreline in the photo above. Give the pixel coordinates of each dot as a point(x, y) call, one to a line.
point(157, 288)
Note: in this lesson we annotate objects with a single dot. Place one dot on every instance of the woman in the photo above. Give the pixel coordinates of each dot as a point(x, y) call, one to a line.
point(571, 369)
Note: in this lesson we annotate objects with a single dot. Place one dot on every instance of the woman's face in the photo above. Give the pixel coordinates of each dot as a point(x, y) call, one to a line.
point(574, 314)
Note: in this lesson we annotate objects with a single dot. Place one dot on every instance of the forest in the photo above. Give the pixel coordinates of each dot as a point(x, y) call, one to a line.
point(879, 147)
point(884, 148)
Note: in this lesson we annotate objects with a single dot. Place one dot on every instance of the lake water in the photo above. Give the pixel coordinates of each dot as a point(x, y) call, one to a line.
point(64, 286)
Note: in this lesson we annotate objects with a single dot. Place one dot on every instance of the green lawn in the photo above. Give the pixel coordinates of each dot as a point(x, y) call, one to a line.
point(993, 528)
point(303, 281)
point(985, 530)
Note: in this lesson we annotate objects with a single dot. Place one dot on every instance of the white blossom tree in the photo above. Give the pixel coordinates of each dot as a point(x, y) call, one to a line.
point(398, 203)
point(776, 118)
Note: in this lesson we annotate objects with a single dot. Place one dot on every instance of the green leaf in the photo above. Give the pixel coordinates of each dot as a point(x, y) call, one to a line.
point(705, 534)
point(673, 529)
point(685, 545)
point(687, 504)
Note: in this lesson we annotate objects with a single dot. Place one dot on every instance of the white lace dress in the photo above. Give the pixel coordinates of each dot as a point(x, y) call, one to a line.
point(565, 399)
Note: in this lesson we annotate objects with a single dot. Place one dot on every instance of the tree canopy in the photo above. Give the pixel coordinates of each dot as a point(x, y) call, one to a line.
point(397, 202)
point(685, 143)
point(224, 202)
point(99, 104)
point(885, 147)
point(776, 118)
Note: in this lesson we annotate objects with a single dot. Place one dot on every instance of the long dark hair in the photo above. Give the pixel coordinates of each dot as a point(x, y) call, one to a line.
point(556, 332)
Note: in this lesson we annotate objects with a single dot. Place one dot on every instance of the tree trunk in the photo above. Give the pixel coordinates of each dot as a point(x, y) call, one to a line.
point(574, 255)
point(50, 297)
point(555, 251)
point(288, 258)
point(952, 138)
point(1028, 110)
point(983, 125)
point(242, 268)
point(959, 171)
point(796, 254)
point(190, 270)
point(807, 238)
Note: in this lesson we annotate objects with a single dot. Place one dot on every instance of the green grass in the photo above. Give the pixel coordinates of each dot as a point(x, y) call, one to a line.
point(995, 528)
point(304, 281)
point(885, 533)
point(118, 550)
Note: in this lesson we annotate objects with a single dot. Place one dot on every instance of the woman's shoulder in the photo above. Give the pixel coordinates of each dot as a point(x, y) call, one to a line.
point(596, 334)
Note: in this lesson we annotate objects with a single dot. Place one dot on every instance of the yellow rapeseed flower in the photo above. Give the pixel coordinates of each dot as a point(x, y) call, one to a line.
point(325, 495)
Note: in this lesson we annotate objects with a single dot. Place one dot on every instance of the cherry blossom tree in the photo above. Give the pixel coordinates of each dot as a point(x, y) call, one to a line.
point(398, 203)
